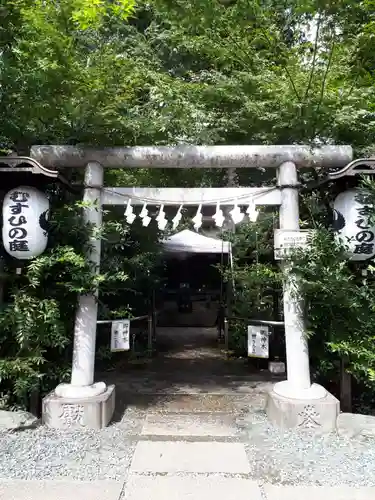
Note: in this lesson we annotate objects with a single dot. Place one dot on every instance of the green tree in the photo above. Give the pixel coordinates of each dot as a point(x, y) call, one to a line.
point(57, 87)
point(275, 72)
point(36, 326)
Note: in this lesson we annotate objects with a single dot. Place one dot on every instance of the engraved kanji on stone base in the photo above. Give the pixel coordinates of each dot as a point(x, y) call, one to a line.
point(309, 417)
point(72, 414)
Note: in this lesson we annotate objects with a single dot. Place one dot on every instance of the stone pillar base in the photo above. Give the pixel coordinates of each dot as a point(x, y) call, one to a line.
point(84, 413)
point(318, 415)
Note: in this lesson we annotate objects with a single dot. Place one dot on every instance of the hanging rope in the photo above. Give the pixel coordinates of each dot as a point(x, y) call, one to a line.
point(231, 200)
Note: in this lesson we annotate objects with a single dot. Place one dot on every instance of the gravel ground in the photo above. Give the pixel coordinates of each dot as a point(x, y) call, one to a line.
point(45, 453)
point(291, 458)
point(275, 456)
point(280, 457)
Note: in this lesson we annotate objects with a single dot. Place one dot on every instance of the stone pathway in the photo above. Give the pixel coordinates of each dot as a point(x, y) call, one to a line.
point(173, 488)
point(178, 456)
point(190, 431)
point(183, 456)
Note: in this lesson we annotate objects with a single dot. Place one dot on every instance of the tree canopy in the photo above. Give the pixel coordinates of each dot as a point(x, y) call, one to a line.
point(194, 71)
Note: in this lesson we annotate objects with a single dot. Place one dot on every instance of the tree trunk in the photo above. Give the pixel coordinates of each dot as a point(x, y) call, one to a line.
point(345, 387)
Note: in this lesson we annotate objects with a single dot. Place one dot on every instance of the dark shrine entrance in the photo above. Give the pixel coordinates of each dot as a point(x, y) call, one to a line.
point(190, 299)
point(191, 292)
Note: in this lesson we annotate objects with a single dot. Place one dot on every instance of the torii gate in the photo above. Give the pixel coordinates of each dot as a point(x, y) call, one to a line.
point(294, 402)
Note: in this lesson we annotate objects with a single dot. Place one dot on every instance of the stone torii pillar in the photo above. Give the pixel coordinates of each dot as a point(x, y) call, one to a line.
point(82, 379)
point(83, 402)
point(298, 383)
point(292, 403)
point(296, 402)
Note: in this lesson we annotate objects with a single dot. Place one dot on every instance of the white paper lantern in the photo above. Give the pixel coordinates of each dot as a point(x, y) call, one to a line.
point(25, 213)
point(352, 226)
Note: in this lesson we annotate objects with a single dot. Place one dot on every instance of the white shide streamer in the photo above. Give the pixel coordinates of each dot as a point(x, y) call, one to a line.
point(129, 213)
point(144, 216)
point(177, 218)
point(218, 216)
point(198, 218)
point(236, 214)
point(161, 219)
point(252, 212)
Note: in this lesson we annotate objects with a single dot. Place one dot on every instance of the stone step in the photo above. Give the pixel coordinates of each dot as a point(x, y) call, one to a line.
point(183, 457)
point(194, 403)
point(197, 487)
point(180, 425)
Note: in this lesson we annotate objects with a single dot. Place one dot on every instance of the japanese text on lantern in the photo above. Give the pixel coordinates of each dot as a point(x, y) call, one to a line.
point(365, 236)
point(18, 233)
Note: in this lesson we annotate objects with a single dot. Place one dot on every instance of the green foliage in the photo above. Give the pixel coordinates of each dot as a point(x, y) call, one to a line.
point(270, 72)
point(255, 282)
point(30, 329)
point(207, 72)
point(36, 327)
point(340, 307)
point(58, 83)
point(84, 14)
point(339, 300)
point(130, 256)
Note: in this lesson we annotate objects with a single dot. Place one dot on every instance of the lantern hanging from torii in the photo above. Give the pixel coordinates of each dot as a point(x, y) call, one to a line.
point(25, 207)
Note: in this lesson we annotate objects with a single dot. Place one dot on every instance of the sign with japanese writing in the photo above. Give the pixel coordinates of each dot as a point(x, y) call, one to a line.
point(120, 335)
point(352, 225)
point(25, 213)
point(258, 341)
point(285, 241)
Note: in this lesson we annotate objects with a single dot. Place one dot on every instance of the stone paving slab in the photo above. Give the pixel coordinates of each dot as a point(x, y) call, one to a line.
point(318, 492)
point(190, 488)
point(60, 490)
point(179, 456)
point(179, 424)
point(173, 487)
point(351, 425)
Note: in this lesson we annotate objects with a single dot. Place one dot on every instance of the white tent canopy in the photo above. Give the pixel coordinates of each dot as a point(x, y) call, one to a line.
point(191, 242)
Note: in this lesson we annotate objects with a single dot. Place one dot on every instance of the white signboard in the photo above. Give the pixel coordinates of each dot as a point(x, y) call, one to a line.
point(353, 226)
point(120, 335)
point(286, 240)
point(258, 341)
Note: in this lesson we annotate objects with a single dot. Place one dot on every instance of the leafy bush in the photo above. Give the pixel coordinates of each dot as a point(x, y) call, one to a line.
point(339, 308)
point(37, 324)
point(36, 327)
point(339, 295)
point(255, 279)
